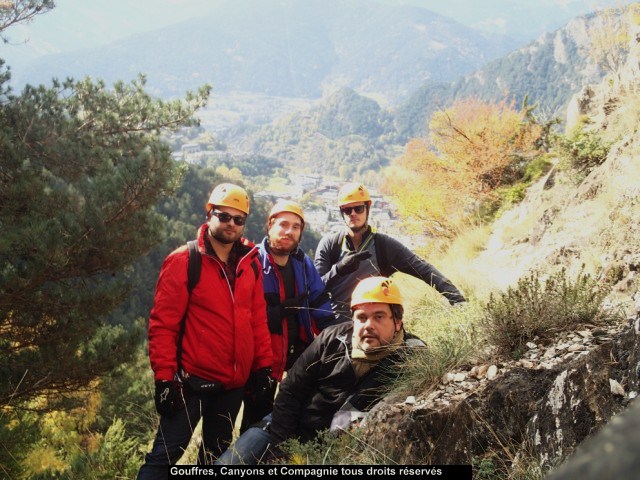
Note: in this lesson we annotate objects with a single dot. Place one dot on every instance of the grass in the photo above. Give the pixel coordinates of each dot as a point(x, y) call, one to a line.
point(279, 185)
point(453, 261)
point(450, 335)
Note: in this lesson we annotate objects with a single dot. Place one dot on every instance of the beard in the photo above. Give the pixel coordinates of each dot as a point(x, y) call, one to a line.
point(225, 236)
point(278, 248)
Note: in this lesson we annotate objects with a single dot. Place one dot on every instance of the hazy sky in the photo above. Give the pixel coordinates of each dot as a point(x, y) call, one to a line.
point(76, 24)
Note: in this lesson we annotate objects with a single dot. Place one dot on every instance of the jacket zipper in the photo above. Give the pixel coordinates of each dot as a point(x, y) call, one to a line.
point(285, 333)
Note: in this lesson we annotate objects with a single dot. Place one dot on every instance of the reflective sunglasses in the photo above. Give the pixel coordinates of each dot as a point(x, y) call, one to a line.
point(347, 210)
point(224, 217)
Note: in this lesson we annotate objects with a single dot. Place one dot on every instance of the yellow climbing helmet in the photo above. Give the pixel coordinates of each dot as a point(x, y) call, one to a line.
point(376, 290)
point(286, 206)
point(353, 192)
point(228, 195)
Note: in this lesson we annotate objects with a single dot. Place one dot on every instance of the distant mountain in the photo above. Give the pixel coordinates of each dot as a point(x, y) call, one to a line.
point(348, 134)
point(548, 71)
point(521, 19)
point(294, 48)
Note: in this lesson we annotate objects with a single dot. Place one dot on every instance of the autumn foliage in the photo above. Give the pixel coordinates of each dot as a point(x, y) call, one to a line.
point(472, 149)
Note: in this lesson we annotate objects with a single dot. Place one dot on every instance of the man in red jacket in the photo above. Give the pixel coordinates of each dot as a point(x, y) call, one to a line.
point(205, 346)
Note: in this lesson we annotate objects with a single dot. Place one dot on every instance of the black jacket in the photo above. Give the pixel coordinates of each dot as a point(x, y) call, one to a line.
point(389, 256)
point(320, 382)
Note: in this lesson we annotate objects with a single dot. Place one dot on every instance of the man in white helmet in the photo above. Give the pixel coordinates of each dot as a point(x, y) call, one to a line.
point(345, 258)
point(206, 341)
point(338, 377)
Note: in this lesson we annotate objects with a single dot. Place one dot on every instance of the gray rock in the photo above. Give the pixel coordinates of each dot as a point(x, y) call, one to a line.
point(611, 453)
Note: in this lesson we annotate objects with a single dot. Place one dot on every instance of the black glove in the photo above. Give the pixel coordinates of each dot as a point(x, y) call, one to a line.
point(168, 398)
point(261, 382)
point(290, 306)
point(349, 263)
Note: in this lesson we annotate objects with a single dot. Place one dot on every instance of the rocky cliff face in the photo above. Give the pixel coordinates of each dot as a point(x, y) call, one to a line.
point(544, 405)
point(540, 407)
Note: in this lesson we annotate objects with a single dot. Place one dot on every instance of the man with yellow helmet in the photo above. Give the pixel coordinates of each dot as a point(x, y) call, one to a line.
point(338, 377)
point(206, 341)
point(297, 304)
point(344, 258)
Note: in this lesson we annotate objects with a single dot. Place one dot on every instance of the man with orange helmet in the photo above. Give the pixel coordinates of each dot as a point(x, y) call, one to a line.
point(344, 258)
point(207, 342)
point(338, 377)
point(297, 304)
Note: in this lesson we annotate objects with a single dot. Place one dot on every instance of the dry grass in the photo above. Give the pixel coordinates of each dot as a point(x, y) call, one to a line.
point(451, 338)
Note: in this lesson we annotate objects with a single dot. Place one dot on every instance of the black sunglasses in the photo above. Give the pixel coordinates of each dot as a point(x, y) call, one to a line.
point(347, 210)
point(224, 217)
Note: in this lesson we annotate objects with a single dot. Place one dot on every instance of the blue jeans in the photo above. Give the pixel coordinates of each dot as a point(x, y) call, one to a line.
point(218, 411)
point(250, 447)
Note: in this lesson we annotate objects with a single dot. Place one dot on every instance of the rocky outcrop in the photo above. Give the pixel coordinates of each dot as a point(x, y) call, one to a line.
point(541, 407)
point(612, 453)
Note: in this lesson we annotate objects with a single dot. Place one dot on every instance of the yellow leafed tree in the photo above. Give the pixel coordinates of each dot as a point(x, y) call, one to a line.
point(473, 148)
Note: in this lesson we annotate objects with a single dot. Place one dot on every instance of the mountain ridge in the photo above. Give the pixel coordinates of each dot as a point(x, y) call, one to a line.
point(288, 48)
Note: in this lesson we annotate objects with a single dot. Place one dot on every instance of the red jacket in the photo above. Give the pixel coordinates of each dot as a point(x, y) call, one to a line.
point(226, 334)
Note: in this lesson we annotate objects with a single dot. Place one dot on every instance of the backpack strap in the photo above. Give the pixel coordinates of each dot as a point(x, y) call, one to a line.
point(256, 268)
point(381, 246)
point(193, 277)
point(195, 263)
point(336, 247)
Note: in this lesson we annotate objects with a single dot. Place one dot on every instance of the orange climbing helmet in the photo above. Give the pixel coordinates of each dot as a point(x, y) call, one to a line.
point(286, 206)
point(353, 192)
point(376, 290)
point(228, 195)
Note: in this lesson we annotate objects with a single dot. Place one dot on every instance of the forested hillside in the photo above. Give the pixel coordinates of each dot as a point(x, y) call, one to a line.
point(345, 135)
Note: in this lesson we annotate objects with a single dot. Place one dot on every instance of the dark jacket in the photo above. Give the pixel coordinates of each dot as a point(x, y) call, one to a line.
point(322, 380)
point(388, 256)
point(314, 315)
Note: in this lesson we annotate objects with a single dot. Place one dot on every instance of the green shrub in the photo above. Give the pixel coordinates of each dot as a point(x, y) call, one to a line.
point(536, 167)
point(485, 469)
point(542, 308)
point(115, 458)
point(585, 149)
point(328, 448)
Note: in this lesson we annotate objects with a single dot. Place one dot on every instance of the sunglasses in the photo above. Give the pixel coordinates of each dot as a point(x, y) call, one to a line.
point(347, 210)
point(224, 217)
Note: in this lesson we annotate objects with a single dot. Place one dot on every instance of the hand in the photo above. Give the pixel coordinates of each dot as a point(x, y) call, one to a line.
point(261, 382)
point(349, 263)
point(261, 387)
point(168, 398)
point(290, 306)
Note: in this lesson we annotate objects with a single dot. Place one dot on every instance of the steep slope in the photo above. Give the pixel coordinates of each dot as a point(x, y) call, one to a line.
point(568, 221)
